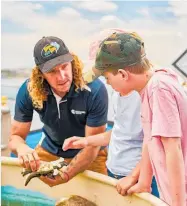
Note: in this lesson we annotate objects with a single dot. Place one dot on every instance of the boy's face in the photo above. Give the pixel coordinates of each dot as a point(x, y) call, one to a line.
point(120, 82)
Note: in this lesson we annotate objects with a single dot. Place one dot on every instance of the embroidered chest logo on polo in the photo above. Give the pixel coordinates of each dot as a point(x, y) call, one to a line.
point(50, 49)
point(77, 112)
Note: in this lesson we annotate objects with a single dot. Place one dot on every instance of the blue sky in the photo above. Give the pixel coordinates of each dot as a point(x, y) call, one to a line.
point(161, 23)
point(126, 10)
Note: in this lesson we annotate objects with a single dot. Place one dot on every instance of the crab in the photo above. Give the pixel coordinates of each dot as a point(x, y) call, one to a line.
point(49, 169)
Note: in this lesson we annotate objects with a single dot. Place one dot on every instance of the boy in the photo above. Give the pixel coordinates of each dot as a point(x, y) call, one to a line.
point(125, 139)
point(122, 60)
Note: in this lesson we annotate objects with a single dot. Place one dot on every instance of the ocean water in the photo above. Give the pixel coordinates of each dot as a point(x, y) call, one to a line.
point(9, 88)
point(11, 196)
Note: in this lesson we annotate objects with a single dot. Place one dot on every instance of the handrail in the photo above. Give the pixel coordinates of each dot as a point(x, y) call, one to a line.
point(95, 176)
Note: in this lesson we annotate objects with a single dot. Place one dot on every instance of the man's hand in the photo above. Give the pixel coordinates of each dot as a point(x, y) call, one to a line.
point(124, 184)
point(75, 143)
point(138, 188)
point(63, 177)
point(28, 157)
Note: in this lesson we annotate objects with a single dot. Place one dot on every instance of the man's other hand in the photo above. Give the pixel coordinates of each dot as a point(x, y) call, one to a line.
point(28, 157)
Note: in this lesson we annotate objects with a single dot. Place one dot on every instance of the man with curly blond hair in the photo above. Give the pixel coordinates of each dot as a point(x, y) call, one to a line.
point(66, 106)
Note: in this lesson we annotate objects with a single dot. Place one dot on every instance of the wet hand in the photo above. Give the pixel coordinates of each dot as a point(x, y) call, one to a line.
point(63, 177)
point(75, 143)
point(124, 184)
point(28, 157)
point(138, 188)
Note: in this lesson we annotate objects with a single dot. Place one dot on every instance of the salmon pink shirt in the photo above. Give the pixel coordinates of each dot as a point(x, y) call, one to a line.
point(164, 113)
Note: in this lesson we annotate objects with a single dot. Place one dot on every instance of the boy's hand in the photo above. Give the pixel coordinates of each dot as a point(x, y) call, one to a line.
point(75, 143)
point(124, 184)
point(138, 188)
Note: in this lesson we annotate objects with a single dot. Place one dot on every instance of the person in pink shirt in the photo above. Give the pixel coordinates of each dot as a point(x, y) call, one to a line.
point(121, 59)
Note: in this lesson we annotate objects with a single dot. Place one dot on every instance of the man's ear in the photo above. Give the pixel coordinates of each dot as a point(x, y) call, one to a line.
point(124, 74)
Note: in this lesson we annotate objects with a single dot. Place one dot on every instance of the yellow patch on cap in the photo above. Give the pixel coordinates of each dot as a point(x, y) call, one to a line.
point(49, 48)
point(111, 42)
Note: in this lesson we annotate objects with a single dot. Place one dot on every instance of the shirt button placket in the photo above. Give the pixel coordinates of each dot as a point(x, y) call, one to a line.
point(63, 105)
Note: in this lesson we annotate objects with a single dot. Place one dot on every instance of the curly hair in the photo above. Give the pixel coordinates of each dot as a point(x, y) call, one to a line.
point(37, 85)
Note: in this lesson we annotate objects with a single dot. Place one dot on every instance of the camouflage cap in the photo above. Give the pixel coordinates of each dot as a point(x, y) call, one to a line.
point(89, 72)
point(119, 51)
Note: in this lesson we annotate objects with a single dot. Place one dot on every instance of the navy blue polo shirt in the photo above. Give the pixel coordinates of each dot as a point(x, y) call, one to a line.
point(69, 118)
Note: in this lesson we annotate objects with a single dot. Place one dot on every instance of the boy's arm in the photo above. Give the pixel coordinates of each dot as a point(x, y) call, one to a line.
point(125, 183)
point(136, 171)
point(175, 169)
point(102, 139)
point(146, 174)
point(165, 110)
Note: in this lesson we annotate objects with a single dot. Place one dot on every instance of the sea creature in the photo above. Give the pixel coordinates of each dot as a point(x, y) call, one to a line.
point(49, 169)
point(75, 200)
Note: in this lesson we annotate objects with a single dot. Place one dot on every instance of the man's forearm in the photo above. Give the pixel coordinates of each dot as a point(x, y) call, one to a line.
point(82, 160)
point(19, 132)
point(15, 142)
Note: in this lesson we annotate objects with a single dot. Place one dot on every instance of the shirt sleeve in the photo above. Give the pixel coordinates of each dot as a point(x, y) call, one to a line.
point(98, 108)
point(165, 114)
point(23, 106)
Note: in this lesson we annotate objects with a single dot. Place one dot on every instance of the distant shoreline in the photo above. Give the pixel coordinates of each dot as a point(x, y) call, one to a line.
point(12, 81)
point(19, 73)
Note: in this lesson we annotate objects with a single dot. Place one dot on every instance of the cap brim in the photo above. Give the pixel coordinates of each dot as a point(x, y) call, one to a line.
point(49, 65)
